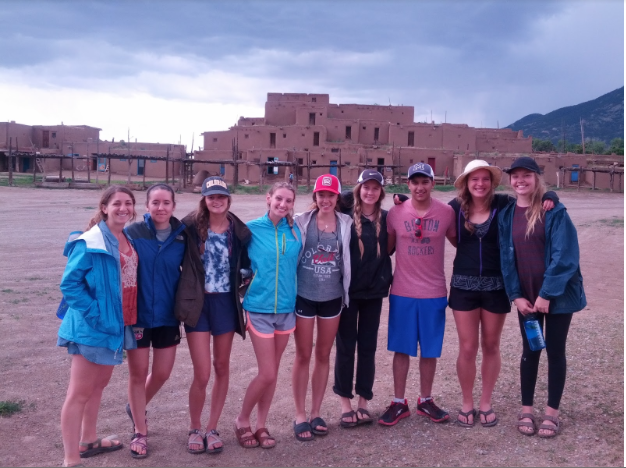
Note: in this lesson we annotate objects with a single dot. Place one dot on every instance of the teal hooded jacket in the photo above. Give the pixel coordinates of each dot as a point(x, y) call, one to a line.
point(274, 253)
point(562, 280)
point(92, 287)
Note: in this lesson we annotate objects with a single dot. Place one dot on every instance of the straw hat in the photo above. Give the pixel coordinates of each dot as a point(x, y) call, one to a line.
point(496, 172)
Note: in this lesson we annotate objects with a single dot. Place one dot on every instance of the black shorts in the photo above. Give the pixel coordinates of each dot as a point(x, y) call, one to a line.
point(324, 309)
point(159, 337)
point(492, 301)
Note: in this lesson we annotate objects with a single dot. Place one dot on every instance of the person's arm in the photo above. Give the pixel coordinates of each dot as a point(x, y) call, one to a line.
point(75, 285)
point(564, 257)
point(507, 263)
point(451, 233)
point(391, 233)
point(399, 198)
point(549, 200)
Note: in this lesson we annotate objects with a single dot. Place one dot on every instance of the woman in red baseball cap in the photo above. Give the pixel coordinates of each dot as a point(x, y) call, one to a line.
point(323, 283)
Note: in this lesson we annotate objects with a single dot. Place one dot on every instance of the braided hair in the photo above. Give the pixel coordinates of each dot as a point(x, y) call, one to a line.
point(464, 197)
point(356, 216)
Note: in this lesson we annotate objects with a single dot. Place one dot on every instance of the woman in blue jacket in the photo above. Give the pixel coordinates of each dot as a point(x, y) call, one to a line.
point(541, 271)
point(269, 304)
point(100, 287)
point(160, 244)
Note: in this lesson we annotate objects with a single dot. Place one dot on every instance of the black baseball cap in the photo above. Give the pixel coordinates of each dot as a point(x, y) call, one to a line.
point(214, 186)
point(371, 174)
point(524, 163)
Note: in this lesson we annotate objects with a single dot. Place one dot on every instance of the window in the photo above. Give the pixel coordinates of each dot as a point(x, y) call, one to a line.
point(272, 140)
point(376, 133)
point(348, 133)
point(334, 150)
point(284, 135)
point(54, 134)
point(411, 141)
point(312, 118)
point(410, 161)
point(313, 99)
point(314, 161)
point(363, 128)
point(246, 135)
point(300, 163)
point(214, 140)
point(316, 138)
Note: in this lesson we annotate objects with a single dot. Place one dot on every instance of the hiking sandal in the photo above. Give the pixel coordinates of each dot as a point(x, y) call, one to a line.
point(196, 437)
point(142, 441)
point(549, 427)
point(530, 424)
point(212, 438)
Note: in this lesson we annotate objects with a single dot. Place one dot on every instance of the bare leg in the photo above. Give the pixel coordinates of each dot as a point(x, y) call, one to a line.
point(138, 362)
point(428, 366)
point(263, 408)
point(491, 332)
point(401, 364)
point(222, 346)
point(162, 365)
point(85, 380)
point(326, 332)
point(200, 350)
point(300, 373)
point(467, 323)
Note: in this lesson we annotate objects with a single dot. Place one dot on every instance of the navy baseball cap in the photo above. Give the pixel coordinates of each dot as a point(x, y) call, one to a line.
point(421, 168)
point(214, 186)
point(371, 174)
point(525, 163)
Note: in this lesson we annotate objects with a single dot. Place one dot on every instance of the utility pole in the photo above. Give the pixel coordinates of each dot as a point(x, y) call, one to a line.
point(582, 133)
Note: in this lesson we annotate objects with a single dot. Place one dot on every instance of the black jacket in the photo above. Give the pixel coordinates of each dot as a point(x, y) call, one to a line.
point(371, 275)
point(190, 293)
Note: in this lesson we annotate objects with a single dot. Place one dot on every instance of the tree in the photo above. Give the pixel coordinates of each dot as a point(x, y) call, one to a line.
point(617, 146)
point(543, 145)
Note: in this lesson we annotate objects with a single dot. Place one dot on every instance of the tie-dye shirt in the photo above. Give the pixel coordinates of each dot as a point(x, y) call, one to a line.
point(216, 263)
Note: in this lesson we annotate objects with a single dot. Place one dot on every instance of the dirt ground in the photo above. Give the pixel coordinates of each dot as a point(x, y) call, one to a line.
point(34, 224)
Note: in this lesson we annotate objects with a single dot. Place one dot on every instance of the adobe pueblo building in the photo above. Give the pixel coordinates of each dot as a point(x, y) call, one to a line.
point(307, 131)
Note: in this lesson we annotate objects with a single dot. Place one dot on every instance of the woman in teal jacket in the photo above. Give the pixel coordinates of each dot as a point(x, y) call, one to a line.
point(100, 287)
point(269, 304)
point(540, 266)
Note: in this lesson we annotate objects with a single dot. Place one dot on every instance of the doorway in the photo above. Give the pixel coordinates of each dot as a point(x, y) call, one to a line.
point(141, 164)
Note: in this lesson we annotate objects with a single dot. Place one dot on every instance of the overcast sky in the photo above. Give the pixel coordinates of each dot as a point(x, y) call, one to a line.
point(169, 70)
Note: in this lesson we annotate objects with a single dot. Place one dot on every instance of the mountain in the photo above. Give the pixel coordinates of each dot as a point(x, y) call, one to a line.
point(603, 119)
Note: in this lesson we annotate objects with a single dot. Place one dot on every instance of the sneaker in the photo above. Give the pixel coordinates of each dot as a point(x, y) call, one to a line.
point(394, 413)
point(429, 409)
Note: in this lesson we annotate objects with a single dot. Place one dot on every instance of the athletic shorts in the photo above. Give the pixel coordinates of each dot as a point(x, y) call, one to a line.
point(158, 337)
point(306, 308)
point(413, 321)
point(268, 325)
point(492, 301)
point(218, 316)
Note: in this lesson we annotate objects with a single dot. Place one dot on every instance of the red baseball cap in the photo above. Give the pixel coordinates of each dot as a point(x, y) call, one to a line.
point(327, 182)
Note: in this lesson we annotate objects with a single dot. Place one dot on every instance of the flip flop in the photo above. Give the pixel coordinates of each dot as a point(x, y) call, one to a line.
point(466, 415)
point(363, 420)
point(347, 424)
point(318, 422)
point(302, 428)
point(485, 414)
point(95, 448)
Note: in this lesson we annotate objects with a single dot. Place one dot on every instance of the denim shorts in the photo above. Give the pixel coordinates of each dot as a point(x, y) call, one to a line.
point(99, 355)
point(218, 316)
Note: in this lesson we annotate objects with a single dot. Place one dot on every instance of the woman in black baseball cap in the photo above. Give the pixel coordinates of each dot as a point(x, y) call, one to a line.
point(369, 284)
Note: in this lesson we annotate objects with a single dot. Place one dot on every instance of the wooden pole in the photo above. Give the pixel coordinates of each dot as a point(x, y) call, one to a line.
point(308, 170)
point(340, 165)
point(579, 177)
point(145, 168)
point(261, 174)
point(594, 180)
point(167, 169)
point(72, 166)
point(109, 174)
point(35, 171)
point(89, 169)
point(61, 169)
point(10, 159)
point(97, 160)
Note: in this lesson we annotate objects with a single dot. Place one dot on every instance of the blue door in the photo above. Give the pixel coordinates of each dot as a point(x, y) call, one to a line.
point(333, 170)
point(141, 164)
point(222, 170)
point(575, 174)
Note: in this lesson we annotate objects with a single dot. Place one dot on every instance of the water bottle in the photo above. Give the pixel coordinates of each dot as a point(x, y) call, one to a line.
point(533, 332)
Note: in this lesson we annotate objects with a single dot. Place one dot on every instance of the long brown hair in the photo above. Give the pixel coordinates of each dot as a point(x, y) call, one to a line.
point(356, 216)
point(201, 218)
point(535, 212)
point(288, 186)
point(313, 206)
point(464, 197)
point(104, 201)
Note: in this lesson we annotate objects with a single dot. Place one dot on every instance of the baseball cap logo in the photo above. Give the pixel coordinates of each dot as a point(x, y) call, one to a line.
point(327, 181)
point(418, 167)
point(220, 183)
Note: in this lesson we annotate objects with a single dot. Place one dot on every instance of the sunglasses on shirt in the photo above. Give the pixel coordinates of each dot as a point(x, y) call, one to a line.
point(418, 228)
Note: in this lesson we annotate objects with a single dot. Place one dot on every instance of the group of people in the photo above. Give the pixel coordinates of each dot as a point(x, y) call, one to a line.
point(322, 276)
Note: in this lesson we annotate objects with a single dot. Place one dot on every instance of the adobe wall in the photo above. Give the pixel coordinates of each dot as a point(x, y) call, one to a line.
point(18, 135)
point(390, 114)
point(298, 97)
point(61, 137)
point(336, 130)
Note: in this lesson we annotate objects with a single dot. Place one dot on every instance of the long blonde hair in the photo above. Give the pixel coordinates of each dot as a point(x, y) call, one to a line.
point(105, 199)
point(358, 210)
point(535, 212)
point(464, 197)
point(289, 217)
